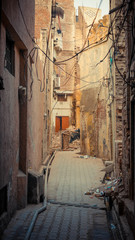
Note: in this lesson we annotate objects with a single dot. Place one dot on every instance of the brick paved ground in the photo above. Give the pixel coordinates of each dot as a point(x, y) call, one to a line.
point(70, 214)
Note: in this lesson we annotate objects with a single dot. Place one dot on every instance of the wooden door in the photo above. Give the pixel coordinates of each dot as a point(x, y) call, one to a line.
point(57, 124)
point(65, 122)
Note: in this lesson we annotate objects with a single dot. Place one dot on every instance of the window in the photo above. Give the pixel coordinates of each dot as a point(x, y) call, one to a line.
point(62, 98)
point(10, 55)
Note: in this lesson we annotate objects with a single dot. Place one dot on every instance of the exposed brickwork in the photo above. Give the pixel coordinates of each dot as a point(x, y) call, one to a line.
point(128, 114)
point(124, 93)
point(117, 87)
point(42, 16)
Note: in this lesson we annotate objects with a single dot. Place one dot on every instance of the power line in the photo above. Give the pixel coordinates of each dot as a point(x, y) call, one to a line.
point(83, 50)
point(115, 47)
point(98, 81)
point(86, 48)
point(47, 47)
point(112, 39)
point(86, 37)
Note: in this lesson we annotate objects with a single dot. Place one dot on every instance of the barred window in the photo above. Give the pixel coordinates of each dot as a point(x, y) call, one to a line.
point(10, 55)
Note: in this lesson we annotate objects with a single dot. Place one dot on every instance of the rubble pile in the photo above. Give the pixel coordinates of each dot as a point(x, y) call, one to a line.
point(75, 144)
point(56, 141)
point(68, 139)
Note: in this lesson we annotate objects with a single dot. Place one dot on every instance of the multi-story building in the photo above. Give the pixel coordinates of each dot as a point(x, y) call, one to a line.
point(26, 91)
point(92, 35)
point(64, 71)
point(17, 32)
point(122, 64)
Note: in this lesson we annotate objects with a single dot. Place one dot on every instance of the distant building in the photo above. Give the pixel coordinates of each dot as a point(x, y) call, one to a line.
point(93, 84)
point(64, 72)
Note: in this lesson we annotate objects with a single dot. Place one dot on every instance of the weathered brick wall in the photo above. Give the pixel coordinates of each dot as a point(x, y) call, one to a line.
point(128, 112)
point(126, 127)
point(42, 16)
point(118, 55)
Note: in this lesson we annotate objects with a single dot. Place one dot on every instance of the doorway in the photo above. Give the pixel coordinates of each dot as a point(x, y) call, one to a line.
point(61, 123)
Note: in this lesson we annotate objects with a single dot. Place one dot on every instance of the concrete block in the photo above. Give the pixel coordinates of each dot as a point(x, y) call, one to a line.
point(35, 187)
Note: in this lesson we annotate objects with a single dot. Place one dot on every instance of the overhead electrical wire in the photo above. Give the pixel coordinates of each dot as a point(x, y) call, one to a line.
point(85, 39)
point(86, 48)
point(109, 49)
point(38, 45)
point(112, 46)
point(115, 47)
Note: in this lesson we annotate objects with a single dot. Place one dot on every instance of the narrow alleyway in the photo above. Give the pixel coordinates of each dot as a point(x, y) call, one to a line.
point(70, 213)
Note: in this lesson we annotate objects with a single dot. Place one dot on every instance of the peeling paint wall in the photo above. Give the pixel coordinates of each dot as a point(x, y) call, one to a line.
point(95, 119)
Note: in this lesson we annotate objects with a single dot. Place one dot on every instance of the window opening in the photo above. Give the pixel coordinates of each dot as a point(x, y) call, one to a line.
point(62, 98)
point(10, 55)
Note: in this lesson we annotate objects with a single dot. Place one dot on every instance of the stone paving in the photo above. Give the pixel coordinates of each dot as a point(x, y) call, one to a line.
point(70, 214)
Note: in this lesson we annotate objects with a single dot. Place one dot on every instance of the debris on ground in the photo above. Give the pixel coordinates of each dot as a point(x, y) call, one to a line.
point(74, 135)
point(109, 170)
point(113, 226)
point(56, 141)
point(107, 190)
point(74, 145)
point(84, 156)
point(68, 139)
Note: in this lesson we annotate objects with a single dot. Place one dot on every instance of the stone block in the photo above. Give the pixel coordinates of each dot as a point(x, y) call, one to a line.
point(35, 187)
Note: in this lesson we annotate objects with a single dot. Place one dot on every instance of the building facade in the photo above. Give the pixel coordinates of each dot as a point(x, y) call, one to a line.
point(64, 71)
point(15, 44)
point(94, 114)
point(26, 92)
point(123, 68)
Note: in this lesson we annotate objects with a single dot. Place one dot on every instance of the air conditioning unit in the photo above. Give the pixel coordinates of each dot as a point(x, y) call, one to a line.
point(57, 82)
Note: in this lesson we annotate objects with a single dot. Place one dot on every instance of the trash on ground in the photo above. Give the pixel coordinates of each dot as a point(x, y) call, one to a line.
point(75, 135)
point(94, 205)
point(113, 226)
point(106, 189)
point(85, 156)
